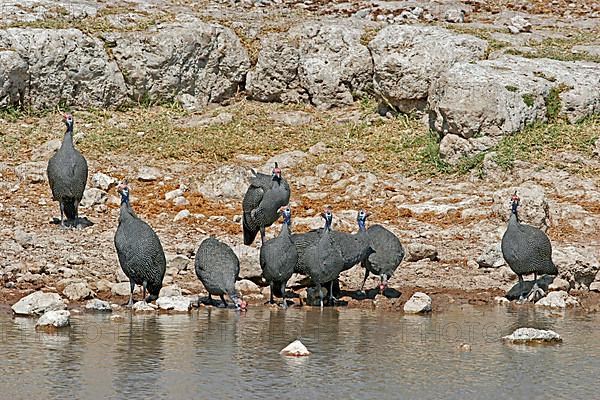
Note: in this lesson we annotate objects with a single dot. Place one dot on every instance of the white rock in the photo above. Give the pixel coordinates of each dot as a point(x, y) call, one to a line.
point(103, 181)
point(491, 257)
point(521, 24)
point(246, 286)
point(32, 172)
point(321, 148)
point(285, 160)
point(559, 284)
point(533, 206)
point(595, 286)
point(77, 291)
point(420, 251)
point(55, 318)
point(120, 275)
point(123, 289)
point(418, 303)
point(170, 291)
point(532, 336)
point(24, 239)
point(149, 174)
point(181, 215)
point(46, 150)
point(454, 16)
point(180, 201)
point(558, 299)
point(98, 305)
point(178, 261)
point(92, 197)
point(142, 306)
point(227, 181)
point(501, 300)
point(38, 303)
point(173, 194)
point(175, 303)
point(295, 349)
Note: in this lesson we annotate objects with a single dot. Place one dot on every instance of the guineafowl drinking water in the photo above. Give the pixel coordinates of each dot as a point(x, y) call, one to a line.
point(526, 250)
point(278, 257)
point(218, 267)
point(140, 253)
point(387, 256)
point(323, 259)
point(67, 174)
point(261, 204)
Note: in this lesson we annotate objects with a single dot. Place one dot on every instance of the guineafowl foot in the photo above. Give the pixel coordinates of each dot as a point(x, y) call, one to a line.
point(535, 294)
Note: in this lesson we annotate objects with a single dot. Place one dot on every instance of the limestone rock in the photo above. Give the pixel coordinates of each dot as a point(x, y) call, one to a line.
point(533, 208)
point(142, 307)
point(66, 66)
point(246, 286)
point(77, 291)
point(420, 251)
point(295, 349)
point(32, 172)
point(559, 284)
point(170, 291)
point(46, 150)
point(227, 181)
point(93, 197)
point(53, 319)
point(532, 336)
point(205, 62)
point(322, 62)
point(149, 174)
point(14, 79)
point(122, 289)
point(285, 160)
point(38, 303)
point(174, 303)
point(98, 305)
point(560, 299)
point(408, 58)
point(501, 96)
point(418, 303)
point(103, 181)
point(491, 257)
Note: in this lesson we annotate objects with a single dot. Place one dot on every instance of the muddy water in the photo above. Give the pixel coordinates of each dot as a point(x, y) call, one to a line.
point(221, 354)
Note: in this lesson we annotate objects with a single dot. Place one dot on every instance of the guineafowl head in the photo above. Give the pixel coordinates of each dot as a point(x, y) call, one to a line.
point(123, 190)
point(287, 215)
point(276, 173)
point(240, 304)
point(328, 217)
point(514, 201)
point(68, 118)
point(361, 218)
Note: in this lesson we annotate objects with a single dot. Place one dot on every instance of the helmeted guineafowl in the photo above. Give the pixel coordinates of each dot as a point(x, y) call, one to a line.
point(278, 257)
point(218, 267)
point(140, 253)
point(526, 250)
point(67, 174)
point(323, 259)
point(262, 201)
point(387, 256)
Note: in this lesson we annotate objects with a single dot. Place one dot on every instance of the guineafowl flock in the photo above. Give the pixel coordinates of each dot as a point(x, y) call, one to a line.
point(320, 254)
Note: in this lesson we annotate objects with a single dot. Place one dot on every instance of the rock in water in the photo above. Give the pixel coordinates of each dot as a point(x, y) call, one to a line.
point(295, 349)
point(97, 305)
point(142, 306)
point(418, 303)
point(53, 319)
point(77, 291)
point(174, 303)
point(559, 299)
point(38, 303)
point(532, 336)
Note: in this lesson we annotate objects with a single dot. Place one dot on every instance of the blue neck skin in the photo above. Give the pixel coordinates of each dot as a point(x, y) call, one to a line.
point(287, 219)
point(124, 198)
point(515, 205)
point(361, 224)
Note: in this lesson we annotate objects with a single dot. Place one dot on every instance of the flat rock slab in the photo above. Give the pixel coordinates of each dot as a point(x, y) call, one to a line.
point(174, 303)
point(98, 305)
point(418, 303)
point(53, 319)
point(38, 303)
point(532, 336)
point(295, 349)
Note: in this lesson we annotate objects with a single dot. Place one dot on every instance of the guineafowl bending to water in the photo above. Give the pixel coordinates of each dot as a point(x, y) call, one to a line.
point(67, 174)
point(323, 259)
point(218, 267)
point(140, 253)
point(387, 256)
point(278, 257)
point(261, 204)
point(526, 250)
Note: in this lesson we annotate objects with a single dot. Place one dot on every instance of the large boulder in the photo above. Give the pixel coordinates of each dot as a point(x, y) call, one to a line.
point(66, 66)
point(14, 78)
point(226, 182)
point(205, 61)
point(577, 265)
point(323, 62)
point(408, 58)
point(502, 96)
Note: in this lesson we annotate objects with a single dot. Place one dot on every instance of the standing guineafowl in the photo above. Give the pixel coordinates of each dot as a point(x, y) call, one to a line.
point(67, 174)
point(278, 257)
point(262, 201)
point(526, 250)
point(387, 256)
point(140, 253)
point(323, 259)
point(218, 267)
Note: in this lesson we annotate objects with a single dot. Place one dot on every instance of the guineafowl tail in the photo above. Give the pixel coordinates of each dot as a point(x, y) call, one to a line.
point(69, 207)
point(249, 234)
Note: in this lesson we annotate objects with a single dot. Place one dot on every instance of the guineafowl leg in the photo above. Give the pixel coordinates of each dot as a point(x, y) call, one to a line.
point(76, 203)
point(284, 305)
point(144, 284)
point(320, 294)
point(262, 235)
point(132, 287)
point(62, 214)
point(521, 298)
point(332, 299)
point(223, 300)
point(364, 281)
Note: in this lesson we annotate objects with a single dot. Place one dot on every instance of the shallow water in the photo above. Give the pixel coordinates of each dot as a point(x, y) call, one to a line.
point(356, 354)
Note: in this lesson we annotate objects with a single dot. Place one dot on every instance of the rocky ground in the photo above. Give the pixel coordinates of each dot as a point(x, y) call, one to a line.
point(435, 160)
